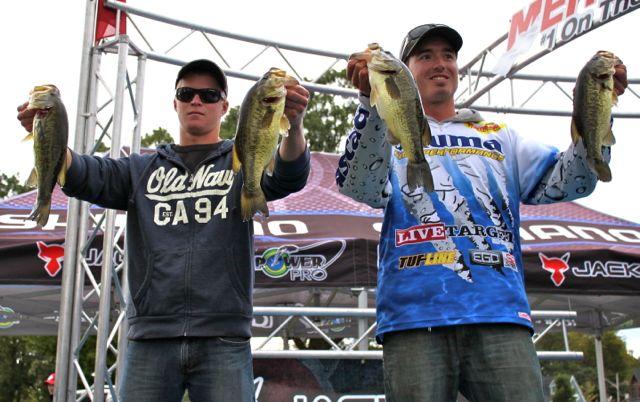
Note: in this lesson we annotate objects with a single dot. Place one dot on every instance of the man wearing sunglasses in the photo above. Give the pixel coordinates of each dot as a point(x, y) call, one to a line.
point(451, 306)
point(190, 253)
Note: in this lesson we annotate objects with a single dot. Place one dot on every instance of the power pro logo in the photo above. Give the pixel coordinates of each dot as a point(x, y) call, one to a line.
point(276, 262)
point(300, 263)
point(8, 317)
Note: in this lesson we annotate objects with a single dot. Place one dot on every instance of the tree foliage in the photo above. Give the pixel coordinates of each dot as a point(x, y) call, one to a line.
point(616, 359)
point(10, 185)
point(26, 361)
point(100, 148)
point(329, 117)
point(230, 123)
point(150, 140)
point(327, 120)
point(158, 136)
point(563, 391)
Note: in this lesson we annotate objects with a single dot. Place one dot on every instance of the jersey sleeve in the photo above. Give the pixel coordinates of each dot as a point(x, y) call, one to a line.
point(363, 169)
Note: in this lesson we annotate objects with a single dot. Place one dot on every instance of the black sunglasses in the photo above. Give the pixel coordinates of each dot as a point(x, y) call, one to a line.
point(418, 31)
point(206, 95)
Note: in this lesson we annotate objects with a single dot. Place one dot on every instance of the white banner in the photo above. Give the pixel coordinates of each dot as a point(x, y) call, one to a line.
point(553, 22)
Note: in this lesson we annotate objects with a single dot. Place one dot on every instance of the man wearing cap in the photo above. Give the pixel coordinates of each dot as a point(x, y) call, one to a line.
point(451, 306)
point(190, 253)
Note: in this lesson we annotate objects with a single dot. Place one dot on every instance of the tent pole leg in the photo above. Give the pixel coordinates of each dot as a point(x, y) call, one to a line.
point(362, 322)
point(600, 367)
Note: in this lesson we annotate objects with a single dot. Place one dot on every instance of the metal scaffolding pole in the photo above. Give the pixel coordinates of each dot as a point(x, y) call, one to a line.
point(602, 390)
point(101, 372)
point(135, 148)
point(475, 93)
point(362, 322)
point(76, 258)
point(82, 228)
point(65, 389)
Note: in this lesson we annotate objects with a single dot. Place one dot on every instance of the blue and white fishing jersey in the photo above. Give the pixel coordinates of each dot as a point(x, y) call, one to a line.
point(452, 256)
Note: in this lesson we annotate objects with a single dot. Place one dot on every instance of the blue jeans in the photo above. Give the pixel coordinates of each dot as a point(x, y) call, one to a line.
point(211, 369)
point(485, 362)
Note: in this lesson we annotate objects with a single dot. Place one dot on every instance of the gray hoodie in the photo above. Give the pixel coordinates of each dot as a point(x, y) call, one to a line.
point(190, 254)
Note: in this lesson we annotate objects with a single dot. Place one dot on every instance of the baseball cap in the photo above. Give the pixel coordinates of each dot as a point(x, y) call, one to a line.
point(204, 66)
point(51, 379)
point(428, 30)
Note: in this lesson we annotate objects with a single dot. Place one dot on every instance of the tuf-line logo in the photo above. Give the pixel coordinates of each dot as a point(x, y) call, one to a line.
point(435, 258)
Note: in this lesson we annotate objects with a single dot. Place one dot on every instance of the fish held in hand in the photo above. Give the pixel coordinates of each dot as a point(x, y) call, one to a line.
point(49, 135)
point(395, 95)
point(260, 124)
point(593, 99)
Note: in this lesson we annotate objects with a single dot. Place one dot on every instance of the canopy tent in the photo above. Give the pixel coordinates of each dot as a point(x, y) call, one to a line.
point(319, 242)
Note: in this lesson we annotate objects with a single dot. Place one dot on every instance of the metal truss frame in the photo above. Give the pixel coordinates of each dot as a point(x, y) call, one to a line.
point(350, 351)
point(478, 82)
point(79, 286)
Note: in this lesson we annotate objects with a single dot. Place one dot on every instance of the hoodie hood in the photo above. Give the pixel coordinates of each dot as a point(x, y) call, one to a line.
point(167, 150)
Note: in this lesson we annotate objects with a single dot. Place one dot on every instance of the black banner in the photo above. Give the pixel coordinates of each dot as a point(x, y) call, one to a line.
point(315, 380)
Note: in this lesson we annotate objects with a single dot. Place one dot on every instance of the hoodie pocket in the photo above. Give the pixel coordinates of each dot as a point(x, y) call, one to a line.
point(221, 282)
point(162, 292)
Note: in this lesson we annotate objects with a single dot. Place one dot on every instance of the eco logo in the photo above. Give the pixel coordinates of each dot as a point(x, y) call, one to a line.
point(493, 258)
point(300, 263)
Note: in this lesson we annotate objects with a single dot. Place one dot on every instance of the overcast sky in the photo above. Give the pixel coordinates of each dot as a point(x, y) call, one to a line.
point(42, 44)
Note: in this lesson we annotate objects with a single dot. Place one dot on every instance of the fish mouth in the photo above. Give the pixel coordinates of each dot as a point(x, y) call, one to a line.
point(366, 56)
point(603, 76)
point(39, 107)
point(384, 69)
point(275, 71)
point(387, 72)
point(270, 100)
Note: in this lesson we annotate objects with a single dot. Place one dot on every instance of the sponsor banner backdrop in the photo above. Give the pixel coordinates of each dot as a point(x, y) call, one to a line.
point(583, 272)
point(307, 380)
point(558, 257)
point(318, 238)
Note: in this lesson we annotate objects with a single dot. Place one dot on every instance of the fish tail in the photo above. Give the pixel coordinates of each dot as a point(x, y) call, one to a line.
point(250, 203)
point(602, 169)
point(40, 213)
point(419, 174)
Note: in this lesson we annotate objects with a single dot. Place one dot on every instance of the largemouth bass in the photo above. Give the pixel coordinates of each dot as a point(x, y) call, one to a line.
point(260, 124)
point(593, 98)
point(50, 133)
point(394, 94)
